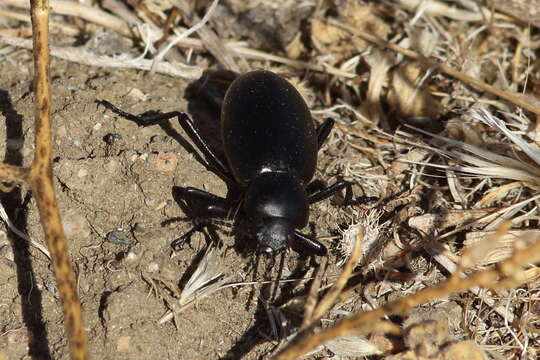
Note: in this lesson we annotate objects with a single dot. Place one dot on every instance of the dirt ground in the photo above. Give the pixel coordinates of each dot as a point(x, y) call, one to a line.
point(117, 183)
point(124, 186)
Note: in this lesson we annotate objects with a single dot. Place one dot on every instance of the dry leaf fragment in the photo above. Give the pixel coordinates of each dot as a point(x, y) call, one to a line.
point(408, 95)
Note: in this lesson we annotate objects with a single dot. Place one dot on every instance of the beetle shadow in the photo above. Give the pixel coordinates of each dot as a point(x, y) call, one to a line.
point(15, 204)
point(268, 315)
point(205, 99)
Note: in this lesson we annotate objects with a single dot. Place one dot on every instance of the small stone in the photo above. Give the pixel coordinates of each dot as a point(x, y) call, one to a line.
point(26, 151)
point(153, 267)
point(137, 94)
point(131, 257)
point(19, 336)
point(61, 131)
point(158, 138)
point(97, 126)
point(118, 238)
point(112, 138)
point(138, 227)
point(463, 351)
point(150, 202)
point(82, 173)
point(122, 344)
point(75, 225)
point(111, 166)
point(166, 161)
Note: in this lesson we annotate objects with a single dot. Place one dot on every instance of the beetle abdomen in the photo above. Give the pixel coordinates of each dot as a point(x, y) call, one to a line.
point(266, 126)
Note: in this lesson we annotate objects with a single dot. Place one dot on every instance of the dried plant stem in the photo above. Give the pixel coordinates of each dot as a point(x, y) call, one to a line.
point(429, 63)
point(39, 178)
point(311, 301)
point(509, 272)
point(86, 12)
point(331, 296)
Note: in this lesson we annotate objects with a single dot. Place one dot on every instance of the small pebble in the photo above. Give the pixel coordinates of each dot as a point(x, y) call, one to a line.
point(153, 267)
point(112, 138)
point(158, 138)
point(115, 238)
point(137, 94)
point(150, 202)
point(122, 344)
point(97, 126)
point(82, 173)
point(166, 161)
point(131, 257)
point(138, 227)
point(111, 166)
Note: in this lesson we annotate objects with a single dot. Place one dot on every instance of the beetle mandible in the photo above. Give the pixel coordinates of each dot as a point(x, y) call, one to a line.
point(271, 147)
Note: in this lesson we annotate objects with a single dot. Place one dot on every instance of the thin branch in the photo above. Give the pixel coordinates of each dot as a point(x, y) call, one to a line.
point(509, 272)
point(40, 180)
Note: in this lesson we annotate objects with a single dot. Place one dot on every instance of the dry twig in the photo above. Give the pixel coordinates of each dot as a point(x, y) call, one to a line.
point(508, 273)
point(39, 179)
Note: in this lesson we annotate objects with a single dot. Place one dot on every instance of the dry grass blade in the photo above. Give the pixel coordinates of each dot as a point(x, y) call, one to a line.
point(331, 296)
point(488, 163)
point(314, 312)
point(509, 273)
point(488, 118)
point(82, 56)
point(89, 13)
point(442, 9)
point(428, 63)
point(311, 302)
point(22, 235)
point(39, 178)
point(206, 280)
point(184, 35)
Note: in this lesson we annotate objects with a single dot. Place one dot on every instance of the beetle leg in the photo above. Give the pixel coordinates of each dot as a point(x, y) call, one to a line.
point(323, 131)
point(211, 161)
point(178, 242)
point(331, 190)
point(141, 120)
point(311, 244)
point(217, 206)
point(216, 164)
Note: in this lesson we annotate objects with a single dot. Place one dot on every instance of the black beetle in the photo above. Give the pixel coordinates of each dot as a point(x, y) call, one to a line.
point(271, 146)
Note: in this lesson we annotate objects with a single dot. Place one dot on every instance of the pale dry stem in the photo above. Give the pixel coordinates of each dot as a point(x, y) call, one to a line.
point(508, 273)
point(432, 64)
point(39, 179)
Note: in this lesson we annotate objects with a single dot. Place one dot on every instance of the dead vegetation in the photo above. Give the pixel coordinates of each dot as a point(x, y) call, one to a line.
point(436, 110)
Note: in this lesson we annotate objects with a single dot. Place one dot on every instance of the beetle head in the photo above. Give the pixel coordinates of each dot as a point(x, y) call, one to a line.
point(274, 235)
point(276, 204)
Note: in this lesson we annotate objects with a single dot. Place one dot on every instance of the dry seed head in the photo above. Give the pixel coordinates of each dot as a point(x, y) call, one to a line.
point(368, 223)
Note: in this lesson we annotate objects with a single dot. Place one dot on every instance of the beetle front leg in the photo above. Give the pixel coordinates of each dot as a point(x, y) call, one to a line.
point(215, 207)
point(310, 244)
